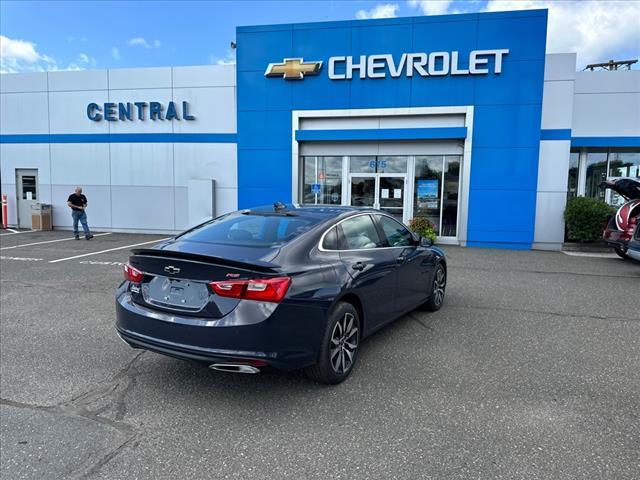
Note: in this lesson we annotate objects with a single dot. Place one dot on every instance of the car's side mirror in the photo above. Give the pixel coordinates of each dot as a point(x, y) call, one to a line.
point(426, 242)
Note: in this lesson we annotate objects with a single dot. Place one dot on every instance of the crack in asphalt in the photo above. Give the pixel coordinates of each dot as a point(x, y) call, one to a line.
point(95, 405)
point(420, 322)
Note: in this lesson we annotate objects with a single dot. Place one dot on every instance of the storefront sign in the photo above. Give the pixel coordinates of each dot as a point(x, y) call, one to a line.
point(114, 112)
point(423, 64)
point(432, 64)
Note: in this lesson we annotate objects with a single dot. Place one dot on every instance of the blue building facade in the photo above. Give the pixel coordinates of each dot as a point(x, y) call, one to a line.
point(507, 106)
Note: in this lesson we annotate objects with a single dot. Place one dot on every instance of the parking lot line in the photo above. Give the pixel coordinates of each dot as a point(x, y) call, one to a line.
point(108, 250)
point(16, 232)
point(50, 241)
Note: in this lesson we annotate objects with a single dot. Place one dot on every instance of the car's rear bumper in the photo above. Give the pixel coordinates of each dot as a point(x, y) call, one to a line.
point(285, 337)
point(615, 239)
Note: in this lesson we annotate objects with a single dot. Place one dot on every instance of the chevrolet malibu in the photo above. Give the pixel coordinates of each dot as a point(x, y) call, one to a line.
point(286, 287)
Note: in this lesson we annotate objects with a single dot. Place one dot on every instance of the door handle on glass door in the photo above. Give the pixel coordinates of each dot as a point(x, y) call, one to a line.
point(358, 266)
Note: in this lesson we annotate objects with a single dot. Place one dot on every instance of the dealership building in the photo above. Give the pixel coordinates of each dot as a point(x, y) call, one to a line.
point(463, 119)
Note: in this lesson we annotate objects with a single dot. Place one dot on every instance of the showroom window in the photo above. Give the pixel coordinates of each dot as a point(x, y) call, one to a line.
point(588, 167)
point(437, 182)
point(322, 180)
point(574, 162)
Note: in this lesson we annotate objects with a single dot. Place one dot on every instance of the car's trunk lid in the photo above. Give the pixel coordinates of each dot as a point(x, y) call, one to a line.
point(627, 187)
point(178, 281)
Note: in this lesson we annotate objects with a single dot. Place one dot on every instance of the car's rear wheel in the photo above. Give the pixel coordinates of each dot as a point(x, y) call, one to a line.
point(339, 348)
point(438, 288)
point(621, 253)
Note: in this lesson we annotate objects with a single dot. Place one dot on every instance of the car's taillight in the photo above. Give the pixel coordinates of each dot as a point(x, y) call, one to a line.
point(132, 274)
point(262, 289)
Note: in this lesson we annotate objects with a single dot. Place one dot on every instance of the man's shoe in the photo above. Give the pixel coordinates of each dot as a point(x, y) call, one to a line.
point(77, 237)
point(89, 237)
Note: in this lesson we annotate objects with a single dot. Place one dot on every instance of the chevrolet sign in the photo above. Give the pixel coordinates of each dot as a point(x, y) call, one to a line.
point(432, 64)
point(293, 69)
point(423, 64)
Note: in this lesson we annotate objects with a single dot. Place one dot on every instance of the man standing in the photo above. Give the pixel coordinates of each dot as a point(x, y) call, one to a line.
point(78, 203)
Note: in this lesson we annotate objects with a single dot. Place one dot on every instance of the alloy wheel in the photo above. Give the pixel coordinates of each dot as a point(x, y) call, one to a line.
point(344, 343)
point(439, 285)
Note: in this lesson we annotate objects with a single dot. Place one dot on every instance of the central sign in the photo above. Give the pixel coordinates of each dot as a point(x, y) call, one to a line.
point(432, 64)
point(122, 111)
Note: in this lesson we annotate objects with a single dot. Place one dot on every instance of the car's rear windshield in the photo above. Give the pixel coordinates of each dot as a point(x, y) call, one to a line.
point(251, 230)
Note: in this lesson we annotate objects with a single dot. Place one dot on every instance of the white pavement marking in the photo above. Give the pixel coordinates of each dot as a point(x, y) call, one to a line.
point(591, 254)
point(108, 250)
point(15, 232)
point(98, 262)
point(50, 241)
point(23, 259)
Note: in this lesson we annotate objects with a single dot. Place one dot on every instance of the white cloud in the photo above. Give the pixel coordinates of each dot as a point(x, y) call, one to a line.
point(228, 59)
point(384, 10)
point(142, 42)
point(139, 41)
point(431, 7)
point(597, 30)
point(115, 53)
point(23, 56)
point(84, 58)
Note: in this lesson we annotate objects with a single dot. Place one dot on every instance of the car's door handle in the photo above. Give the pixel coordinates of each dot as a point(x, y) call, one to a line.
point(358, 266)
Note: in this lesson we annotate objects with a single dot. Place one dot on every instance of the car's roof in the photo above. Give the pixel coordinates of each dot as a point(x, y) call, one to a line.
point(320, 212)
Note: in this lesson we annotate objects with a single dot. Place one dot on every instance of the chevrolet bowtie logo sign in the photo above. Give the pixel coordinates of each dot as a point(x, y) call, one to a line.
point(293, 69)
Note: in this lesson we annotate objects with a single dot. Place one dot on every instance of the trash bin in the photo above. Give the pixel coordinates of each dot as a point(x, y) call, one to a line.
point(41, 216)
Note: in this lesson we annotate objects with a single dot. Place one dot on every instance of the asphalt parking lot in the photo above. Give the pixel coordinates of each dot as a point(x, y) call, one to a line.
point(530, 370)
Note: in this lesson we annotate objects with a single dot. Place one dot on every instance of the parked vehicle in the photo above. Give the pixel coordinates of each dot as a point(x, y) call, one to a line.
point(286, 287)
point(618, 231)
point(633, 249)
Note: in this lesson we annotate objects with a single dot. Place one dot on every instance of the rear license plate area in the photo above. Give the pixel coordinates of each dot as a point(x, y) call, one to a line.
point(176, 293)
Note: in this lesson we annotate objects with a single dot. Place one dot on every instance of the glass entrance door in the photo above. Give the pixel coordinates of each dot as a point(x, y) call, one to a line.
point(391, 195)
point(363, 191)
point(379, 191)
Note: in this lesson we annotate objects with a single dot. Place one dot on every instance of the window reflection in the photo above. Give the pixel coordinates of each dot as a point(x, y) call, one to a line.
point(325, 172)
point(596, 173)
point(574, 162)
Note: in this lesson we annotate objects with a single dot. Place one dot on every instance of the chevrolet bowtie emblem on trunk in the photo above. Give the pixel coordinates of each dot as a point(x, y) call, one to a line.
point(171, 269)
point(293, 69)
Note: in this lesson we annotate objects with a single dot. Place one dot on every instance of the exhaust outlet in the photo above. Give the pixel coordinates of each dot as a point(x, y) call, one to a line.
point(234, 368)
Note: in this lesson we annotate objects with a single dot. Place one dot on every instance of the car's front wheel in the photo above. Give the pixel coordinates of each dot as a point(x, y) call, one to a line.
point(339, 348)
point(438, 288)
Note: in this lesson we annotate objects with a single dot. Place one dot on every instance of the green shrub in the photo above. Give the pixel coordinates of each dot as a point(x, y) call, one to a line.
point(585, 218)
point(423, 227)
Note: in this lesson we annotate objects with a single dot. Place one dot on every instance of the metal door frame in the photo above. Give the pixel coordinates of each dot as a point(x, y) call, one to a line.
point(19, 173)
point(376, 197)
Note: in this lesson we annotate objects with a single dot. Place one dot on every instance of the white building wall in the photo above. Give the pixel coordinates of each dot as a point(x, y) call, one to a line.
point(130, 186)
point(607, 104)
point(553, 162)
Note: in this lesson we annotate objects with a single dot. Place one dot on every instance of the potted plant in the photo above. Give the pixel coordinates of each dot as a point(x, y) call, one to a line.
point(424, 228)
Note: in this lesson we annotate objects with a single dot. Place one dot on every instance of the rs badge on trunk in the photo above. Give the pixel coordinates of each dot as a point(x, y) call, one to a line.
point(171, 269)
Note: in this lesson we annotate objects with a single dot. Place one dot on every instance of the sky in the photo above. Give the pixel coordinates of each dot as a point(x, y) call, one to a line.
point(75, 35)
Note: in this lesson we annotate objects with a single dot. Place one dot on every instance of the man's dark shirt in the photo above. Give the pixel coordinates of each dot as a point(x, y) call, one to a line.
point(77, 201)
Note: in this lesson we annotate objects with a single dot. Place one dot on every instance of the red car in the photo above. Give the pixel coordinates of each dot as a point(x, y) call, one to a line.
point(619, 229)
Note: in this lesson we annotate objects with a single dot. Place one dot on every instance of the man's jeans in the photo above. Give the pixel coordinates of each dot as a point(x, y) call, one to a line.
point(82, 217)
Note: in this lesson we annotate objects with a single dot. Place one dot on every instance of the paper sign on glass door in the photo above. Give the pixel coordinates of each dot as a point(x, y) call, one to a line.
point(397, 193)
point(384, 193)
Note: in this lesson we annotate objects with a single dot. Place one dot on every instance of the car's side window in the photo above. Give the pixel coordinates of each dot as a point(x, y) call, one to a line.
point(359, 233)
point(330, 241)
point(397, 234)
